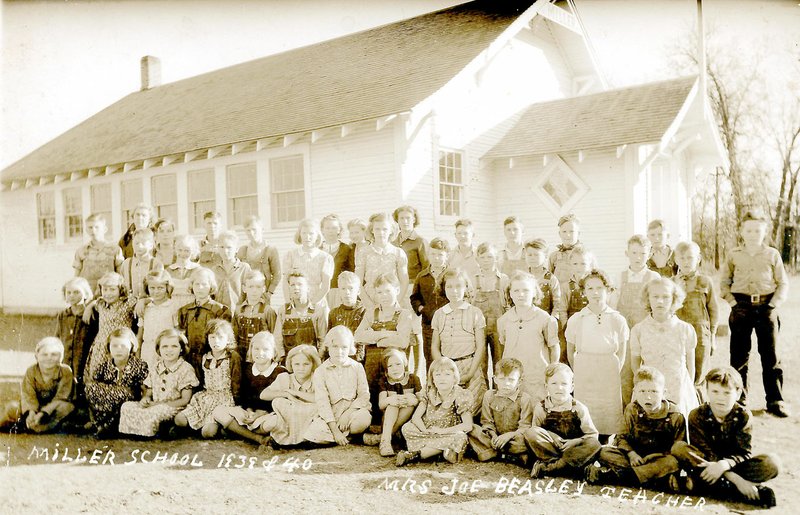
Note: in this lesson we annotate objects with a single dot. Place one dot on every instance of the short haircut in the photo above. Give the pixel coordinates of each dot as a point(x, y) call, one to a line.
point(252, 219)
point(113, 279)
point(296, 274)
point(212, 215)
point(397, 353)
point(725, 376)
point(96, 217)
point(484, 248)
point(331, 218)
point(507, 366)
point(555, 368)
point(387, 278)
point(511, 220)
point(595, 273)
point(463, 222)
point(456, 273)
point(349, 278)
point(124, 333)
point(580, 250)
point(220, 326)
point(343, 334)
point(406, 209)
point(80, 284)
point(228, 237)
point(442, 362)
point(677, 293)
point(145, 232)
point(639, 239)
point(204, 273)
point(254, 275)
point(311, 224)
point(158, 277)
point(657, 224)
point(439, 244)
point(520, 275)
point(267, 338)
point(357, 222)
point(381, 217)
point(537, 243)
point(163, 223)
point(141, 206)
point(646, 373)
point(172, 332)
point(753, 216)
point(189, 242)
point(685, 247)
point(571, 217)
point(50, 341)
point(309, 351)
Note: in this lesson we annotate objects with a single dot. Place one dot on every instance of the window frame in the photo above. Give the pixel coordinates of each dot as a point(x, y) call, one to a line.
point(275, 194)
point(126, 211)
point(443, 152)
point(191, 202)
point(230, 198)
point(72, 216)
point(154, 192)
point(50, 216)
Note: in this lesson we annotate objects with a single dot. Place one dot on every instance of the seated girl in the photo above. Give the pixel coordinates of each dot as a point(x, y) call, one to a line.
point(167, 389)
point(118, 379)
point(245, 419)
point(397, 398)
point(292, 395)
point(341, 392)
point(442, 419)
point(222, 371)
point(46, 388)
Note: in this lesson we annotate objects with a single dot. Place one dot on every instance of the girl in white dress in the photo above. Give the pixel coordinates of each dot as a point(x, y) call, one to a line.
point(665, 342)
point(596, 340)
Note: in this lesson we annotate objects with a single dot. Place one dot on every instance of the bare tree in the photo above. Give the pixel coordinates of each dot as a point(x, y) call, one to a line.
point(786, 140)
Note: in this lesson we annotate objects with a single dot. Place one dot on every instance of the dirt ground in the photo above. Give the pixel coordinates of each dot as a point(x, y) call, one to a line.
point(187, 476)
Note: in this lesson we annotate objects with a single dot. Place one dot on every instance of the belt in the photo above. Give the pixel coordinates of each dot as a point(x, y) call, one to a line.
point(462, 358)
point(754, 300)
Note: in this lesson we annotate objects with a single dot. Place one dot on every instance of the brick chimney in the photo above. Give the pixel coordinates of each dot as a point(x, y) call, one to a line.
point(151, 72)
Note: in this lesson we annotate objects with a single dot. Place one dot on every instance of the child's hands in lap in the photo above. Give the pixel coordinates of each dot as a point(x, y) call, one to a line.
point(339, 437)
point(635, 459)
point(712, 471)
point(569, 444)
point(500, 441)
point(745, 487)
point(344, 421)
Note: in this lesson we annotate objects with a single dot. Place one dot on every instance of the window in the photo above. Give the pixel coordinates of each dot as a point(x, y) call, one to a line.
point(73, 213)
point(242, 196)
point(101, 201)
point(130, 197)
point(451, 183)
point(201, 197)
point(288, 190)
point(165, 196)
point(46, 213)
point(559, 187)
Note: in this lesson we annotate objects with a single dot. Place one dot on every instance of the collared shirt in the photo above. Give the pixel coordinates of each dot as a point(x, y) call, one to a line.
point(414, 247)
point(730, 439)
point(96, 258)
point(135, 269)
point(372, 261)
point(465, 260)
point(638, 277)
point(37, 392)
point(265, 259)
point(427, 293)
point(314, 264)
point(167, 382)
point(230, 281)
point(587, 426)
point(759, 274)
point(317, 313)
point(653, 433)
point(348, 316)
point(501, 414)
point(334, 382)
point(405, 325)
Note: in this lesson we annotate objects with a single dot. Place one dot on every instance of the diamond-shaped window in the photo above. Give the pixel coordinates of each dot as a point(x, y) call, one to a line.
point(559, 187)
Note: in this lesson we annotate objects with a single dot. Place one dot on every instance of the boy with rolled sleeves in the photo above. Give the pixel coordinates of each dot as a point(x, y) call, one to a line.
point(754, 283)
point(719, 460)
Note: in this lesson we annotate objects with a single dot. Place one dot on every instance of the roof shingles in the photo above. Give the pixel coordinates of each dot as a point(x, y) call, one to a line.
point(635, 114)
point(366, 75)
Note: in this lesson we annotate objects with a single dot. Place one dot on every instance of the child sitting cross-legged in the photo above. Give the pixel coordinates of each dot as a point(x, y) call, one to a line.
point(720, 460)
point(651, 426)
point(506, 414)
point(442, 418)
point(47, 388)
point(563, 437)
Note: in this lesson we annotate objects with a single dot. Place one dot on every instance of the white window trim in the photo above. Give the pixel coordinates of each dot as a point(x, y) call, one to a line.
point(446, 221)
point(79, 214)
point(555, 163)
point(289, 152)
point(229, 198)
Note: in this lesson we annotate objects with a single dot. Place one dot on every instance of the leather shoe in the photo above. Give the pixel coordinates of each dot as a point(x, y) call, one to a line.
point(779, 409)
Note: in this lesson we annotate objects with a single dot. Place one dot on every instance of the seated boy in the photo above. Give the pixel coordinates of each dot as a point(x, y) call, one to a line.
point(350, 312)
point(719, 459)
point(506, 414)
point(652, 425)
point(46, 391)
point(563, 436)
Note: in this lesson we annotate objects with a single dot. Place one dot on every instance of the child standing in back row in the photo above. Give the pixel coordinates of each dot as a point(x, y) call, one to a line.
point(662, 259)
point(491, 297)
point(559, 262)
point(428, 295)
point(98, 256)
point(549, 285)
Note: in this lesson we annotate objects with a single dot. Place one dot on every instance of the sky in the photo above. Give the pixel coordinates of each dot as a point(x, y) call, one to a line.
point(63, 61)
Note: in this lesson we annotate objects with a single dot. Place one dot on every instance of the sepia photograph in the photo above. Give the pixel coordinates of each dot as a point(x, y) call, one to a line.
point(504, 256)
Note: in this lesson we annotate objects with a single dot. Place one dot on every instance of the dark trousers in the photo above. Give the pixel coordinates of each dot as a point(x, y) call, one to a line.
point(655, 465)
point(756, 469)
point(744, 319)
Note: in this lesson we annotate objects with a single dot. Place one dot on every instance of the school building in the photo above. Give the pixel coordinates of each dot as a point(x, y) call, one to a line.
point(478, 111)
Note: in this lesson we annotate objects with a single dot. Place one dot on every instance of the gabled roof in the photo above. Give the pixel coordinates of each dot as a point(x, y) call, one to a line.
point(635, 114)
point(370, 74)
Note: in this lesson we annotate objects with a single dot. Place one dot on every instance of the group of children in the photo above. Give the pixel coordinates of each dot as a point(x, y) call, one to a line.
point(183, 337)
